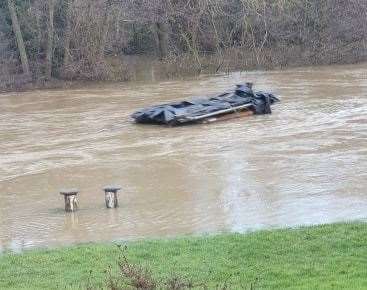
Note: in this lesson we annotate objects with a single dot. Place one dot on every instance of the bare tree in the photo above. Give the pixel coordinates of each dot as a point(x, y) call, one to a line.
point(67, 33)
point(19, 37)
point(50, 37)
point(105, 26)
point(162, 33)
point(103, 39)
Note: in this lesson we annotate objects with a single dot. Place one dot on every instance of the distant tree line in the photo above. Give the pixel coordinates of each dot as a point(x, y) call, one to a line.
point(93, 40)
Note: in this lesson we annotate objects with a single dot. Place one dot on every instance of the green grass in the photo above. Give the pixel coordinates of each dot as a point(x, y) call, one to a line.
point(321, 257)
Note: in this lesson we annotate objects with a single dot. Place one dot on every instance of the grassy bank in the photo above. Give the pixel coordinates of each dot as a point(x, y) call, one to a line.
point(321, 257)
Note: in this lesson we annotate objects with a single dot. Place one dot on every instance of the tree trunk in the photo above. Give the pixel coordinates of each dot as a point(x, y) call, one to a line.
point(67, 33)
point(19, 37)
point(162, 32)
point(50, 38)
point(106, 20)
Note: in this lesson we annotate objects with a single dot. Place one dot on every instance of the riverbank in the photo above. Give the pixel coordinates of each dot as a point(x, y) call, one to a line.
point(320, 257)
point(147, 70)
point(95, 45)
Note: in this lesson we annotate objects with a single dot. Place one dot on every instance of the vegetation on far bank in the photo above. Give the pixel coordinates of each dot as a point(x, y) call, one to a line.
point(41, 40)
point(319, 257)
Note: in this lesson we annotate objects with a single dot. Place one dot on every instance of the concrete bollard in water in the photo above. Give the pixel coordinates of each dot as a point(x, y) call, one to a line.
point(111, 196)
point(70, 197)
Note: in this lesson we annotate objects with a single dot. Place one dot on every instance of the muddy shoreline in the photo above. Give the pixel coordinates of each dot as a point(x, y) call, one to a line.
point(150, 70)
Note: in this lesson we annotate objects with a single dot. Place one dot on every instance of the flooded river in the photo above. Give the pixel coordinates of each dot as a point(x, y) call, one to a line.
point(304, 164)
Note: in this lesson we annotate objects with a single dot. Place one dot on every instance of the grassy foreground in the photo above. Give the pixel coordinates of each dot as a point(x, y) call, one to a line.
point(321, 257)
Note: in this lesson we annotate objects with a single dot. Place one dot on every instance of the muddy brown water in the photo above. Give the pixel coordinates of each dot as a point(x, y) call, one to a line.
point(304, 164)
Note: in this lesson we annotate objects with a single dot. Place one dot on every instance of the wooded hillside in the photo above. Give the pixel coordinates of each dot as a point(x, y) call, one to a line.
point(101, 39)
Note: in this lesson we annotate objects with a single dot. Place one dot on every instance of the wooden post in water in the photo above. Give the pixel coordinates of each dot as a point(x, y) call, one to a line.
point(111, 196)
point(70, 197)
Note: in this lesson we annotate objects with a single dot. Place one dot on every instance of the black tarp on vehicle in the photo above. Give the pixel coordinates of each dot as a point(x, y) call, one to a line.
point(243, 97)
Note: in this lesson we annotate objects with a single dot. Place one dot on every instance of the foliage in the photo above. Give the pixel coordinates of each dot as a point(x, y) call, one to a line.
point(263, 33)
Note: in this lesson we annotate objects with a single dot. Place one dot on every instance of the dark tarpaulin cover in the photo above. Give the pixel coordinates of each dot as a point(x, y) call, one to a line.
point(188, 111)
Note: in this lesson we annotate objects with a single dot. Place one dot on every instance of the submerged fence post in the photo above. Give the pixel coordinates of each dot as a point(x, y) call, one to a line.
point(111, 196)
point(71, 201)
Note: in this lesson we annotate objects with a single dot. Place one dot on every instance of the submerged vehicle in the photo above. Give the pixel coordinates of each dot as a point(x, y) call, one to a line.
point(243, 101)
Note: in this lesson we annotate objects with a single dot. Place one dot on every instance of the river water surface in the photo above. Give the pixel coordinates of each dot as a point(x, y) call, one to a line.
point(304, 164)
